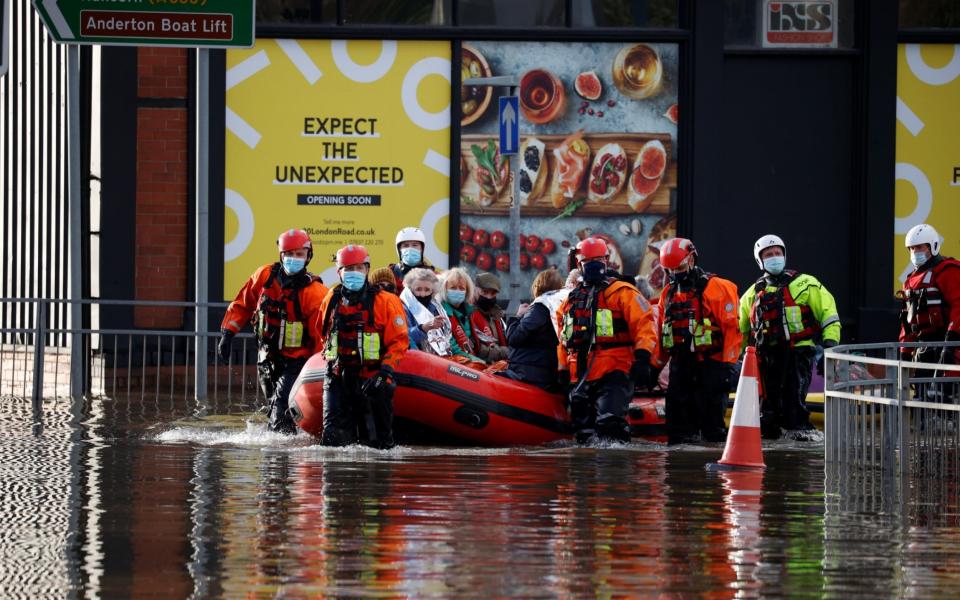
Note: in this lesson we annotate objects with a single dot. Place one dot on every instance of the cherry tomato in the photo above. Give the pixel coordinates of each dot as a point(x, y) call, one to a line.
point(503, 262)
point(468, 253)
point(466, 233)
point(532, 243)
point(481, 238)
point(547, 246)
point(538, 261)
point(484, 261)
point(498, 240)
point(524, 261)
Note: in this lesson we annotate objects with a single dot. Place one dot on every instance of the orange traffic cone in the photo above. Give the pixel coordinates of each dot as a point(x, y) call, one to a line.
point(743, 450)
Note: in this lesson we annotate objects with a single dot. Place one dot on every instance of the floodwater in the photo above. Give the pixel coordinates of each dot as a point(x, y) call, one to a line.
point(140, 499)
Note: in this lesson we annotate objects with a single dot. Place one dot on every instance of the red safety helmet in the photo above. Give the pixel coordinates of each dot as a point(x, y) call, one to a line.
point(295, 239)
point(674, 251)
point(592, 248)
point(352, 254)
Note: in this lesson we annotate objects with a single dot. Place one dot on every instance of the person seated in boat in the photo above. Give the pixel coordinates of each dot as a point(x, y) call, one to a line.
point(383, 278)
point(455, 295)
point(281, 299)
point(427, 322)
point(364, 338)
point(532, 333)
point(486, 323)
point(411, 246)
point(607, 339)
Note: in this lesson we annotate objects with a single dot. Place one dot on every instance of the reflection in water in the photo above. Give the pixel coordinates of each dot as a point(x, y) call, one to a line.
point(111, 505)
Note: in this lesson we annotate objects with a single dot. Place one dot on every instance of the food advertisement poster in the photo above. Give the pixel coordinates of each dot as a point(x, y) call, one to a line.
point(349, 140)
point(598, 150)
point(928, 163)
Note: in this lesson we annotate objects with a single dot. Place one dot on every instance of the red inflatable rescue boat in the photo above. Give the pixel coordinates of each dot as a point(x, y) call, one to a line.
point(457, 403)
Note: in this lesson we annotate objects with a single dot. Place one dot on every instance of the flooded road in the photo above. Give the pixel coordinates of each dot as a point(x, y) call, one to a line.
point(143, 500)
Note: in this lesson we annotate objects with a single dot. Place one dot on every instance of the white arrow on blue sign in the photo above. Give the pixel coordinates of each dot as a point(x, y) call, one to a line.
point(509, 125)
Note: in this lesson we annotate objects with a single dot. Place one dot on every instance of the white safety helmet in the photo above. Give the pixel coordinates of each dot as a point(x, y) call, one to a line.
point(923, 234)
point(410, 234)
point(765, 242)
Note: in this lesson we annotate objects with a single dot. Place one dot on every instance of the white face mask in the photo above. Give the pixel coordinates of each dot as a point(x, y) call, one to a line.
point(919, 258)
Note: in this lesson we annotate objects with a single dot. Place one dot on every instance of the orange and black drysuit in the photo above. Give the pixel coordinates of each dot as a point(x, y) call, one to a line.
point(700, 336)
point(931, 309)
point(604, 329)
point(364, 337)
point(282, 309)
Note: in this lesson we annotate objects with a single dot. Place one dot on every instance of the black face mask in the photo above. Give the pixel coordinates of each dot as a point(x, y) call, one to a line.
point(484, 303)
point(424, 300)
point(594, 272)
point(682, 278)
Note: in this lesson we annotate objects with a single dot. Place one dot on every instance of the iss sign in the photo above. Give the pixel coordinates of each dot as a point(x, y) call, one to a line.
point(800, 24)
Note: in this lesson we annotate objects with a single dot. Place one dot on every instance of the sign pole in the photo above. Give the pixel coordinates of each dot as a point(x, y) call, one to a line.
point(515, 223)
point(202, 224)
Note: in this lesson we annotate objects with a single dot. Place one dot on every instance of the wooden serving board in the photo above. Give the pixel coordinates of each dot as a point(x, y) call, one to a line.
point(543, 206)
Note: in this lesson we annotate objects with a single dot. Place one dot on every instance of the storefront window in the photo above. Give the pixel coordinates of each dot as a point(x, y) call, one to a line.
point(510, 13)
point(403, 12)
point(625, 13)
point(929, 13)
point(296, 11)
point(794, 24)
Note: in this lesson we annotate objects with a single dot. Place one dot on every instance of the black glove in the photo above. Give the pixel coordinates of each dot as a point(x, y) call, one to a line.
point(380, 385)
point(826, 344)
point(640, 371)
point(563, 380)
point(225, 345)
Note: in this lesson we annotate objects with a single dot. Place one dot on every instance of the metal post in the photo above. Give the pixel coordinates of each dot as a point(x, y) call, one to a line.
point(515, 227)
point(76, 248)
point(203, 214)
point(39, 336)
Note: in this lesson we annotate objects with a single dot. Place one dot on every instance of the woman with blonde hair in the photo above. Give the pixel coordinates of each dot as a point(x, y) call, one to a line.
point(532, 334)
point(456, 295)
point(427, 322)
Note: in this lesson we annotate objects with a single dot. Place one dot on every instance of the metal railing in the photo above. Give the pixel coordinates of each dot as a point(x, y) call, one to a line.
point(39, 361)
point(893, 415)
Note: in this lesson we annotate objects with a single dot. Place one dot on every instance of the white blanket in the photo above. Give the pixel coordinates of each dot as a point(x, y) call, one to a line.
point(552, 301)
point(438, 340)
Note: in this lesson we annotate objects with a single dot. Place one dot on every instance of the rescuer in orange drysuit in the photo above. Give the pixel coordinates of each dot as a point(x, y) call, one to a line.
point(700, 335)
point(282, 299)
point(364, 336)
point(606, 341)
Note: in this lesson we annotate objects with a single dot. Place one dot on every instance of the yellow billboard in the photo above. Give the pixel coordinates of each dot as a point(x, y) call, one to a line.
point(928, 147)
point(349, 140)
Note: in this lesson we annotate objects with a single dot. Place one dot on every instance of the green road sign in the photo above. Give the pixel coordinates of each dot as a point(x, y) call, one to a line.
point(193, 23)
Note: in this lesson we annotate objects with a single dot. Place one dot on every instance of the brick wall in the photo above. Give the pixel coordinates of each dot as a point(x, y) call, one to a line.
point(162, 179)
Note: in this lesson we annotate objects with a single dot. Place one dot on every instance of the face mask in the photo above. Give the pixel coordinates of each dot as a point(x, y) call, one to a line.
point(293, 265)
point(456, 297)
point(424, 300)
point(594, 272)
point(918, 258)
point(410, 257)
point(486, 303)
point(680, 277)
point(774, 264)
point(353, 280)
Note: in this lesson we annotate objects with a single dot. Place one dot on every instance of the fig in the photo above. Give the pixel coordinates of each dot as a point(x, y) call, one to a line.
point(588, 85)
point(673, 113)
point(653, 159)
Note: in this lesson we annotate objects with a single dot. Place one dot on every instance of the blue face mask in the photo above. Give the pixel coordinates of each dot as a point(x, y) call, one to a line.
point(594, 272)
point(919, 258)
point(456, 297)
point(353, 280)
point(410, 256)
point(293, 265)
point(774, 264)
